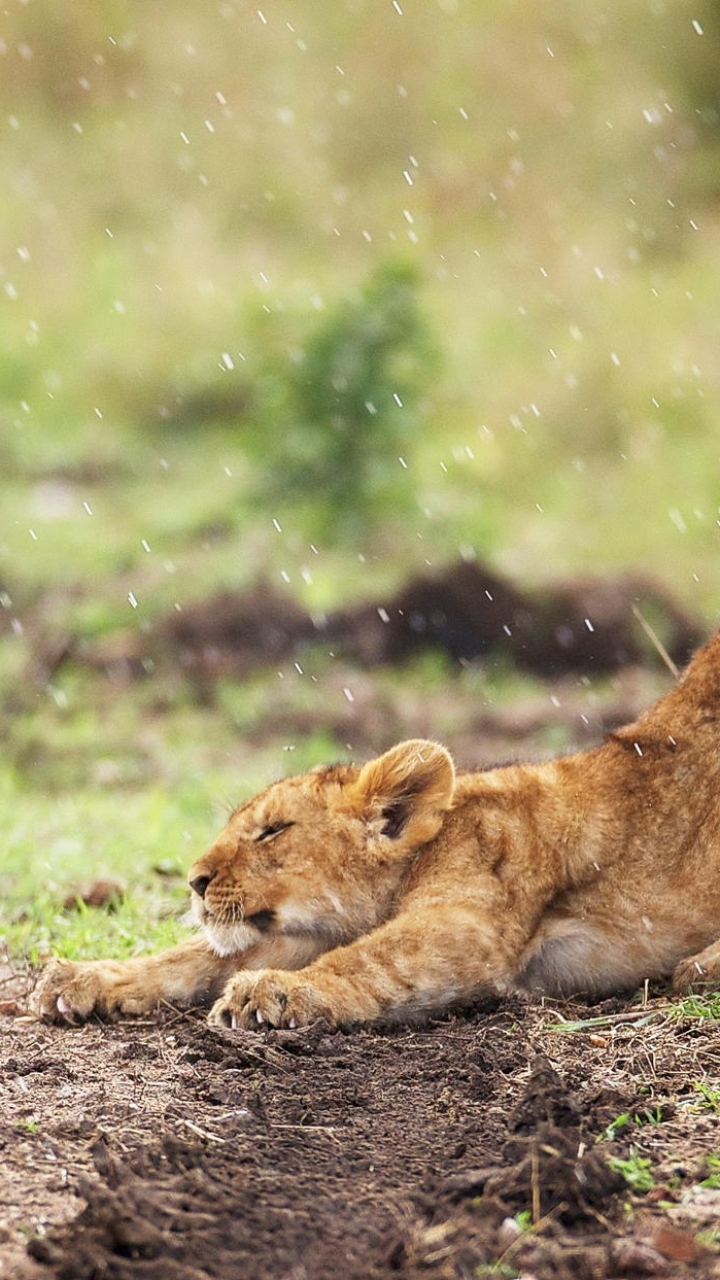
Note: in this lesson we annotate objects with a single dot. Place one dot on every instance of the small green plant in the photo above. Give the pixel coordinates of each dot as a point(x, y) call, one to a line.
point(635, 1169)
point(524, 1219)
point(619, 1123)
point(27, 1126)
point(648, 1115)
point(709, 1099)
point(702, 1006)
point(712, 1164)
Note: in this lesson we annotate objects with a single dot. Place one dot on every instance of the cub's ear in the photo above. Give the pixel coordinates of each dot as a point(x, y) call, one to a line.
point(401, 796)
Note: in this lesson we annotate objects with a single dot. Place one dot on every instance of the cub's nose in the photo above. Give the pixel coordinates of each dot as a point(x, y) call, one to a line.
point(200, 884)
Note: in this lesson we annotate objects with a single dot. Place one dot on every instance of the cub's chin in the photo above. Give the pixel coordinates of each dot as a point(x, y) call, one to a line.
point(231, 939)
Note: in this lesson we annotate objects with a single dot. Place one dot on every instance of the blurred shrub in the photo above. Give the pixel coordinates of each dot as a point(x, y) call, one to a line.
point(352, 406)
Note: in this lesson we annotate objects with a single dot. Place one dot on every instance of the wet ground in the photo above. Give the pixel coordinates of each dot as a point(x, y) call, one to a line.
point(483, 1144)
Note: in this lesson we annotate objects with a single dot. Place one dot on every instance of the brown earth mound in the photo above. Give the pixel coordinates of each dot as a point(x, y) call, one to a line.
point(466, 612)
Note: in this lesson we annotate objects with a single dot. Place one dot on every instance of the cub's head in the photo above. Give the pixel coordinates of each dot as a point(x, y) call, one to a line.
point(322, 855)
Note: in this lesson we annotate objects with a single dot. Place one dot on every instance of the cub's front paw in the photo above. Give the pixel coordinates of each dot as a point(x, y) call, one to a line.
point(273, 998)
point(71, 991)
point(67, 991)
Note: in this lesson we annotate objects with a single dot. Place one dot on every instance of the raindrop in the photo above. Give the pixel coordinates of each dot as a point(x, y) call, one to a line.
point(349, 694)
point(132, 600)
point(277, 524)
point(638, 748)
point(88, 508)
point(228, 360)
point(697, 26)
point(144, 544)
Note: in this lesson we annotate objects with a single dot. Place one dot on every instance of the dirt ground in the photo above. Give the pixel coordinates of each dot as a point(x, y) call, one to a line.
point(474, 1145)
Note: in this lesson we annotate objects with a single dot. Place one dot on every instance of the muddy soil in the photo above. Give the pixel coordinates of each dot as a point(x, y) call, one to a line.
point(479, 1144)
point(465, 611)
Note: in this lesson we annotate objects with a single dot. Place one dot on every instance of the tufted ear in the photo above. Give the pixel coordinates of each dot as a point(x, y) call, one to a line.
point(402, 795)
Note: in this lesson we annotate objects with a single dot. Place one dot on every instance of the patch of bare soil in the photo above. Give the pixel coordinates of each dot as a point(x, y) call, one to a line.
point(466, 611)
point(475, 1145)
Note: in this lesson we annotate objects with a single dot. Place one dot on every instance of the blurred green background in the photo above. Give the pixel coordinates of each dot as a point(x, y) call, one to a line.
point(327, 293)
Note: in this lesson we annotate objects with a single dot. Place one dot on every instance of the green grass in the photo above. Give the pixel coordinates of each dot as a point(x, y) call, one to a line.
point(635, 1169)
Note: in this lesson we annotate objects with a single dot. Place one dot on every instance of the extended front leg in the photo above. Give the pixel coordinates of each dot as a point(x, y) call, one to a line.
point(189, 974)
point(419, 961)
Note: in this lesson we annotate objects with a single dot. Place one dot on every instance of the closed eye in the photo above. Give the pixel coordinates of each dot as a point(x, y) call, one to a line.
point(272, 829)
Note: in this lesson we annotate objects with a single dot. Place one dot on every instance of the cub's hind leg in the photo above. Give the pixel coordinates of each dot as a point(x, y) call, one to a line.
point(701, 970)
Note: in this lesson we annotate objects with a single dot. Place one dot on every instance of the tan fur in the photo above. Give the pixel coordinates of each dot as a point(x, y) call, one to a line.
point(359, 893)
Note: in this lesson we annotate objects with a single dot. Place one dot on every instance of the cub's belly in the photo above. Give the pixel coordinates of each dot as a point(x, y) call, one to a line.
point(598, 956)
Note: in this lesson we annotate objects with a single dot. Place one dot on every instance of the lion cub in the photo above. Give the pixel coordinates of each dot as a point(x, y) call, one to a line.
point(353, 893)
